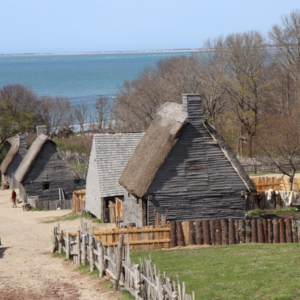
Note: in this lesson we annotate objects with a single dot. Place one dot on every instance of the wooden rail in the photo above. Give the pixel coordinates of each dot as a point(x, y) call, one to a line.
point(142, 280)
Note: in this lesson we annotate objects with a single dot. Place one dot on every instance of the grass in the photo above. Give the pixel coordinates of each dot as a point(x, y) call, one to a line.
point(34, 209)
point(280, 211)
point(270, 173)
point(79, 168)
point(71, 217)
point(269, 271)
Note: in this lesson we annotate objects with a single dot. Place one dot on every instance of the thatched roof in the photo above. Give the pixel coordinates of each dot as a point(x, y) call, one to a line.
point(15, 143)
point(156, 145)
point(153, 149)
point(31, 155)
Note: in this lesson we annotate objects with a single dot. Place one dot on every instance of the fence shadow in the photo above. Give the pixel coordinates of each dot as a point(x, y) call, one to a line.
point(2, 250)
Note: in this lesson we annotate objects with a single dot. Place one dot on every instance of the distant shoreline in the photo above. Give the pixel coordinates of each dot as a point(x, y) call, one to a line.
point(105, 52)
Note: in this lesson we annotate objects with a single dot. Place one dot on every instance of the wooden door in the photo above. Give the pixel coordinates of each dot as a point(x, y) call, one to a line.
point(144, 212)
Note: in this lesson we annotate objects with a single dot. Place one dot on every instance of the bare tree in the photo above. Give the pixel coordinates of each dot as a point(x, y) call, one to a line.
point(286, 58)
point(81, 114)
point(246, 81)
point(101, 114)
point(56, 113)
point(279, 144)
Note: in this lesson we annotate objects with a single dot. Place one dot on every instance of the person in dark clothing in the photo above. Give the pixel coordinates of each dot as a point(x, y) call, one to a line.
point(13, 198)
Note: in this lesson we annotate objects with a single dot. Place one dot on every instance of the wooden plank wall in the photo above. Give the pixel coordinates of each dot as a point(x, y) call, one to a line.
point(265, 183)
point(143, 238)
point(78, 201)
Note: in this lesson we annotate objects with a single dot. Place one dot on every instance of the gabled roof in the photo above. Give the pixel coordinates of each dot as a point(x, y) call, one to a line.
point(112, 154)
point(15, 143)
point(33, 152)
point(161, 136)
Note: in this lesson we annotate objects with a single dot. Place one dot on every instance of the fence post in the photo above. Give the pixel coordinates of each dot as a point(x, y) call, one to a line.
point(137, 282)
point(119, 261)
point(54, 241)
point(83, 250)
point(68, 246)
point(160, 289)
point(91, 248)
point(100, 259)
point(78, 247)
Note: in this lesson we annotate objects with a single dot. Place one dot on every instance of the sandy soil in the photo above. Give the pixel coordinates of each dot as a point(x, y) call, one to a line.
point(28, 270)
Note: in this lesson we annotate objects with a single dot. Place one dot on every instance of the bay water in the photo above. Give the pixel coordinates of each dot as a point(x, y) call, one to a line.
point(79, 77)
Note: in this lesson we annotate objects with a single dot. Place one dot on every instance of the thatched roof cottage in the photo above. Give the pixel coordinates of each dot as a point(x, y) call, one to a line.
point(184, 169)
point(109, 155)
point(45, 175)
point(13, 159)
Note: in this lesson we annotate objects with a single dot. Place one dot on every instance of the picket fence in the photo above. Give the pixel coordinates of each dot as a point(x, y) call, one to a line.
point(142, 280)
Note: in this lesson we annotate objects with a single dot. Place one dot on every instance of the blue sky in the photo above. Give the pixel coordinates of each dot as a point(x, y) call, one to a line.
point(37, 26)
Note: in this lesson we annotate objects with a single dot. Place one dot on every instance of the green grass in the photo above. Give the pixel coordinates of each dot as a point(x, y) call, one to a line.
point(71, 217)
point(79, 168)
point(269, 271)
point(34, 209)
point(279, 211)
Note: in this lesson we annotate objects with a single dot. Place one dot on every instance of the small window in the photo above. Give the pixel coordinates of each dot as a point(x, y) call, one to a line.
point(46, 186)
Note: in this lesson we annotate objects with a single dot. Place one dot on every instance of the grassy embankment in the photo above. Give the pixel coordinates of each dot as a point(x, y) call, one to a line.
point(269, 271)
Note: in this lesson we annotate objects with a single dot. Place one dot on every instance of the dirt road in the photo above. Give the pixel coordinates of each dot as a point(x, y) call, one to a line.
point(28, 270)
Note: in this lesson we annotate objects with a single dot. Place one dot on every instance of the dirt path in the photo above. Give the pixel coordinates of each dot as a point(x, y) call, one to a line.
point(28, 270)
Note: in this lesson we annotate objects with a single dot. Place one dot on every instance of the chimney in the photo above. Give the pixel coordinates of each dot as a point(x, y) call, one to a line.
point(41, 129)
point(192, 108)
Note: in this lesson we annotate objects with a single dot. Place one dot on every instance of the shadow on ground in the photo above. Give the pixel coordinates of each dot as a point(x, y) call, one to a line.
point(2, 250)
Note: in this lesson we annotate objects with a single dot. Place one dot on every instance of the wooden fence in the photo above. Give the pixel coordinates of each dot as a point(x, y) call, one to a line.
point(143, 238)
point(225, 232)
point(265, 183)
point(78, 201)
point(116, 210)
point(141, 280)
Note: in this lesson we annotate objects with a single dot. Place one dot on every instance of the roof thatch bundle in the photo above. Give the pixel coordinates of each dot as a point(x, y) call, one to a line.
point(15, 143)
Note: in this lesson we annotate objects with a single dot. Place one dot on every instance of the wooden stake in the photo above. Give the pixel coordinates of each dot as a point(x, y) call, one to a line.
point(68, 247)
point(119, 262)
point(78, 248)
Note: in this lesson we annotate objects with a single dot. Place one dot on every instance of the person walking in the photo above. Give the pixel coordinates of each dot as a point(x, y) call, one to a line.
point(13, 198)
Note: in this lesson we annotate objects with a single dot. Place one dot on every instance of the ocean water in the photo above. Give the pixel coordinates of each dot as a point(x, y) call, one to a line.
point(79, 77)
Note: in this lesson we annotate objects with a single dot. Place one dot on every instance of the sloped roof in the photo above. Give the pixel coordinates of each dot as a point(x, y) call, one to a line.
point(33, 152)
point(112, 154)
point(15, 143)
point(161, 136)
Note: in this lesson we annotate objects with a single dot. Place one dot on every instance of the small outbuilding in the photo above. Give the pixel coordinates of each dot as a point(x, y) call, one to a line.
point(13, 159)
point(109, 155)
point(183, 169)
point(46, 177)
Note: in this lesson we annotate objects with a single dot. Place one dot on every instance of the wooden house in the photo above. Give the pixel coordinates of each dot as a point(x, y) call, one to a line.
point(13, 159)
point(183, 169)
point(109, 155)
point(46, 177)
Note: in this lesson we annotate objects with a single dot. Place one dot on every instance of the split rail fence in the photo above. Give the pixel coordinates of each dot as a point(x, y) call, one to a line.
point(142, 280)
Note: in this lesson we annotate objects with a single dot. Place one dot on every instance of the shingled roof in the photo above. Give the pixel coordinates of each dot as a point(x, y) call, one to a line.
point(33, 152)
point(161, 136)
point(15, 143)
point(112, 154)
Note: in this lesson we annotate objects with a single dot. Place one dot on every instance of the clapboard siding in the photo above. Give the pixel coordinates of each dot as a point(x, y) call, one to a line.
point(93, 192)
point(108, 158)
point(196, 180)
point(49, 167)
